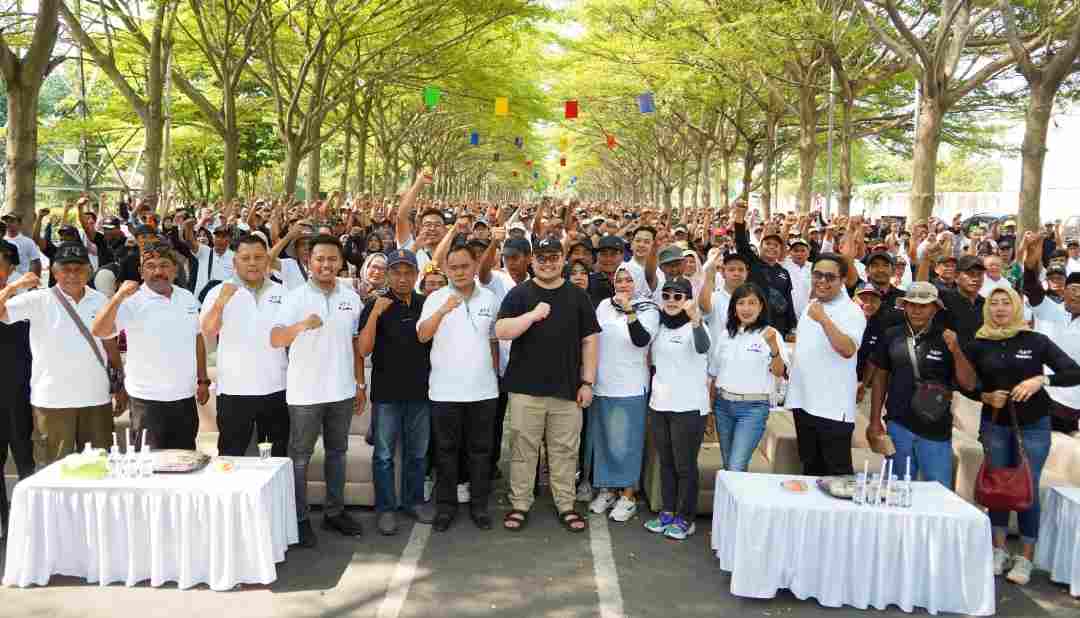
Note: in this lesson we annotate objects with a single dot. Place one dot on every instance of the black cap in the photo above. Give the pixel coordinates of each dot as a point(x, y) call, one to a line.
point(582, 241)
point(797, 241)
point(969, 262)
point(71, 253)
point(679, 284)
point(610, 242)
point(679, 229)
point(1056, 270)
point(222, 230)
point(68, 229)
point(881, 255)
point(548, 244)
point(112, 223)
point(516, 246)
point(735, 256)
point(865, 288)
point(1072, 279)
point(401, 256)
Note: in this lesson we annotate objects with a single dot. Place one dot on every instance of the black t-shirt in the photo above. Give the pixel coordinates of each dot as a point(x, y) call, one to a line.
point(600, 288)
point(961, 315)
point(545, 361)
point(400, 364)
point(936, 364)
point(873, 332)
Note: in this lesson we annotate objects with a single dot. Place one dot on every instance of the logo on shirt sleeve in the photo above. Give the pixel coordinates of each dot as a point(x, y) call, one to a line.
point(345, 306)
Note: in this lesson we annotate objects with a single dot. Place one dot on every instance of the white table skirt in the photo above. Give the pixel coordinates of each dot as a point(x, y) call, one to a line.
point(1058, 549)
point(937, 554)
point(221, 529)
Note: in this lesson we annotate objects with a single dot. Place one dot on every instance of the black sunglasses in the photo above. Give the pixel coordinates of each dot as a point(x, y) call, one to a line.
point(676, 296)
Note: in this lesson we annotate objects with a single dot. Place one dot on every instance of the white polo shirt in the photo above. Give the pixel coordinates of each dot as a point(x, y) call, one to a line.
point(823, 382)
point(741, 363)
point(679, 382)
point(461, 368)
point(716, 320)
point(161, 332)
point(292, 274)
point(321, 361)
point(28, 251)
point(800, 283)
point(218, 267)
point(622, 369)
point(65, 372)
point(246, 363)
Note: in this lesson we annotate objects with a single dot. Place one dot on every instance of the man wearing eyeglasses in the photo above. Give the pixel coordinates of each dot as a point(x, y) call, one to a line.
point(430, 224)
point(821, 392)
point(550, 377)
point(166, 356)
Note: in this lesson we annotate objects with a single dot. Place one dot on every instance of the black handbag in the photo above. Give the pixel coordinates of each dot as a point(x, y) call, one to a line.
point(931, 401)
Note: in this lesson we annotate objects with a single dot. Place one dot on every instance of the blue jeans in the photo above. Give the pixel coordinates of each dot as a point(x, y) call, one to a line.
point(1003, 452)
point(931, 457)
point(412, 421)
point(305, 423)
point(616, 439)
point(739, 426)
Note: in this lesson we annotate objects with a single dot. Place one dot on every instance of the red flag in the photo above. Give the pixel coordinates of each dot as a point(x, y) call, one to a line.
point(528, 163)
point(571, 109)
point(611, 141)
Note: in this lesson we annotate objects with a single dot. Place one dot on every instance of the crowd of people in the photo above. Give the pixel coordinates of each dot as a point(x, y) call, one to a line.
point(576, 330)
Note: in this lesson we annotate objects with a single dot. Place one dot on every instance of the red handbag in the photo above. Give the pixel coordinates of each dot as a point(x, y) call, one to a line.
point(1005, 489)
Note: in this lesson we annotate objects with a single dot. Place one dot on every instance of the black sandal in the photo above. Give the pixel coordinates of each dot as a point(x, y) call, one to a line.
point(569, 518)
point(443, 521)
point(521, 518)
point(481, 518)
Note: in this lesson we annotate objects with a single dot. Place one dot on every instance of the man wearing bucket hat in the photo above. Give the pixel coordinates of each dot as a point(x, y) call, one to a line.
point(915, 367)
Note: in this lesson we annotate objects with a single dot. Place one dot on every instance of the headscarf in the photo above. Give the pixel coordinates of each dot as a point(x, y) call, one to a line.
point(697, 280)
point(1016, 322)
point(363, 274)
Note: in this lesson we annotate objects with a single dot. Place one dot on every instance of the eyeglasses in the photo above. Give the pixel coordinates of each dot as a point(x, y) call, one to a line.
point(826, 277)
point(431, 225)
point(675, 296)
point(548, 258)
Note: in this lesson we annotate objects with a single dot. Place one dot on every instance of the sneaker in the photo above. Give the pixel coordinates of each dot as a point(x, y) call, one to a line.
point(584, 492)
point(624, 509)
point(307, 535)
point(602, 502)
point(429, 486)
point(1001, 560)
point(343, 523)
point(660, 523)
point(463, 495)
point(679, 529)
point(1021, 571)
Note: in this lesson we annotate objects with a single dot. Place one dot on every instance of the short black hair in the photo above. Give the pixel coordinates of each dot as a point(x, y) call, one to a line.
point(743, 291)
point(9, 252)
point(431, 212)
point(461, 243)
point(644, 228)
point(839, 260)
point(326, 239)
point(251, 239)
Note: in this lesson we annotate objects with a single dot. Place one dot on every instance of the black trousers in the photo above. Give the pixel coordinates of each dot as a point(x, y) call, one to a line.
point(824, 444)
point(500, 423)
point(16, 433)
point(677, 436)
point(168, 424)
point(463, 427)
point(238, 415)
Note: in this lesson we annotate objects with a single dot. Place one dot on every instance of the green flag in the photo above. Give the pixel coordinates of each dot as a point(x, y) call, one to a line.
point(431, 96)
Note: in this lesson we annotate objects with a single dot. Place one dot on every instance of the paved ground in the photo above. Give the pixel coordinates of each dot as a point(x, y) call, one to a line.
point(543, 571)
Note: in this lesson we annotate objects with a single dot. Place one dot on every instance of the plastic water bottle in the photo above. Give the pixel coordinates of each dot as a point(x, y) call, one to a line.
point(131, 463)
point(872, 486)
point(893, 496)
point(859, 497)
point(114, 463)
point(905, 495)
point(146, 462)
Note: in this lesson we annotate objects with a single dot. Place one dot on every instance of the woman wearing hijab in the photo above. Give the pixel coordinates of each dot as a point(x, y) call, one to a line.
point(679, 403)
point(693, 270)
point(616, 428)
point(1009, 359)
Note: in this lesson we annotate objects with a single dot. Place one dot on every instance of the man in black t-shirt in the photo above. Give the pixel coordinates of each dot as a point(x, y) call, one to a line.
point(921, 436)
point(550, 376)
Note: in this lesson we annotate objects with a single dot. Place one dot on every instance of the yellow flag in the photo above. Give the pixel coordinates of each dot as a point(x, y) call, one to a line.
point(564, 143)
point(502, 106)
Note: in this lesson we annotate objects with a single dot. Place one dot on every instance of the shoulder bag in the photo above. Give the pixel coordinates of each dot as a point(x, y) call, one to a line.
point(113, 375)
point(1005, 489)
point(931, 401)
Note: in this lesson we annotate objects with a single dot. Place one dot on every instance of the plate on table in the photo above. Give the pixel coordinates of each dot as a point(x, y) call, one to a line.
point(842, 487)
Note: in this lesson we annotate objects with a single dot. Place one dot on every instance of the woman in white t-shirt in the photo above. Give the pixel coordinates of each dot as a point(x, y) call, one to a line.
point(679, 403)
point(615, 436)
point(746, 362)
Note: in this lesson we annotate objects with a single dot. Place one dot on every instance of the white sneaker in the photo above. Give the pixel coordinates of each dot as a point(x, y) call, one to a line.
point(1021, 571)
point(584, 492)
point(463, 495)
point(1001, 560)
point(602, 502)
point(624, 509)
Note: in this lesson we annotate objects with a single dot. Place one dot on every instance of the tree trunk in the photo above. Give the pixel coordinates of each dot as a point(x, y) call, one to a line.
point(808, 146)
point(21, 150)
point(846, 185)
point(1033, 155)
point(706, 180)
point(346, 155)
point(292, 167)
point(230, 167)
point(768, 164)
point(314, 172)
point(924, 164)
point(725, 177)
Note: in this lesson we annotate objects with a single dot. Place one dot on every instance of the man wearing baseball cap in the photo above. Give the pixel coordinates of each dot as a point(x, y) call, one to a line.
point(670, 263)
point(915, 367)
point(767, 272)
point(1072, 247)
point(400, 365)
point(880, 266)
point(964, 306)
point(71, 371)
point(798, 265)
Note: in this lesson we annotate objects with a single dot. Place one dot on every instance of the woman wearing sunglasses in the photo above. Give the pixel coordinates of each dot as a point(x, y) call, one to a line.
point(679, 403)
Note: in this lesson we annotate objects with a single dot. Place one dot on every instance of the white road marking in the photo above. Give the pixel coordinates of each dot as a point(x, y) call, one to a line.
point(405, 573)
point(607, 577)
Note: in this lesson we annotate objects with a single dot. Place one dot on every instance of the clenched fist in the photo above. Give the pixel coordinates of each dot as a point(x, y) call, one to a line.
point(452, 302)
point(312, 322)
point(128, 289)
point(540, 311)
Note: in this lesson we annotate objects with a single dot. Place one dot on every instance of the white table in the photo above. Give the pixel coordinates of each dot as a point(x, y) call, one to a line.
point(217, 528)
point(936, 555)
point(1058, 549)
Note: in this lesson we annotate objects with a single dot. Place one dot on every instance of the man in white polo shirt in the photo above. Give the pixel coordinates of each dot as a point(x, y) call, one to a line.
point(459, 320)
point(166, 357)
point(29, 253)
point(821, 392)
point(319, 322)
point(69, 384)
point(214, 263)
point(250, 372)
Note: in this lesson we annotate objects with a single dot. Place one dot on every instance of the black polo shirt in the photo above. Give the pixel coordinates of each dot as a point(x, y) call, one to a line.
point(774, 279)
point(600, 288)
point(961, 315)
point(936, 364)
point(400, 364)
point(873, 332)
point(892, 309)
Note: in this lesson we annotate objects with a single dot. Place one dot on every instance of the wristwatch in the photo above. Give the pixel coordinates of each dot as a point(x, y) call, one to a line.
point(586, 383)
point(203, 382)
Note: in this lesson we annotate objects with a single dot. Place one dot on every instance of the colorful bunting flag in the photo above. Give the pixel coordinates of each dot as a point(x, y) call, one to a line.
point(528, 163)
point(474, 138)
point(536, 174)
point(502, 106)
point(645, 103)
point(564, 143)
point(571, 110)
point(573, 180)
point(611, 142)
point(431, 96)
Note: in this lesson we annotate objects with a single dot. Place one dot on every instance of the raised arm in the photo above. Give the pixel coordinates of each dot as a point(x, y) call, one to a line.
point(403, 228)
